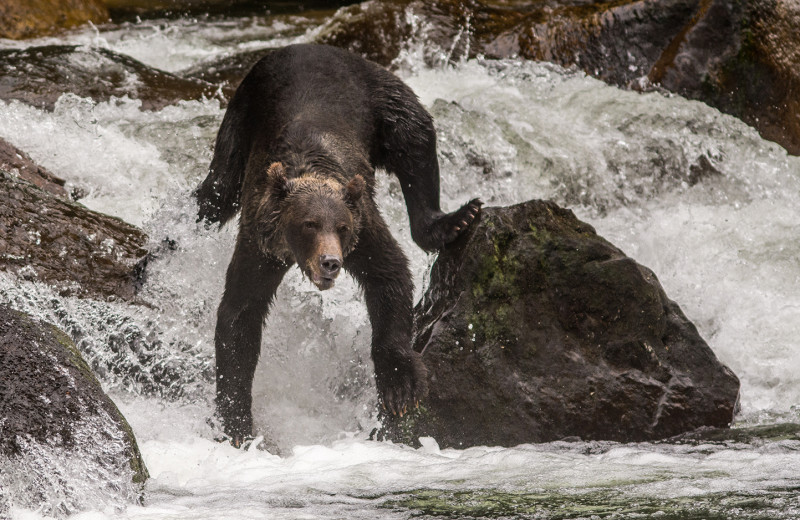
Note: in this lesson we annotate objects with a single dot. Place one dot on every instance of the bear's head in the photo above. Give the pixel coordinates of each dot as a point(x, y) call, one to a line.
point(313, 220)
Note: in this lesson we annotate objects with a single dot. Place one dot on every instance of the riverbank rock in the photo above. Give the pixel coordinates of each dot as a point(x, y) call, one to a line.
point(19, 163)
point(741, 58)
point(744, 59)
point(38, 76)
point(29, 18)
point(46, 238)
point(377, 30)
point(616, 41)
point(63, 442)
point(534, 328)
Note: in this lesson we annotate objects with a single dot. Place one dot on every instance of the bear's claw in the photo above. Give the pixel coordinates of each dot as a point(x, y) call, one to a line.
point(237, 441)
point(402, 379)
point(453, 224)
point(434, 231)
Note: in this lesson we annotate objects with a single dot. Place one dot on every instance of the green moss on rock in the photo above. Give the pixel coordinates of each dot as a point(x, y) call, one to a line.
point(598, 503)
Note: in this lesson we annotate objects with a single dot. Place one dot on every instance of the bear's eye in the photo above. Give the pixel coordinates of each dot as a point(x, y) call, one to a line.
point(343, 229)
point(310, 224)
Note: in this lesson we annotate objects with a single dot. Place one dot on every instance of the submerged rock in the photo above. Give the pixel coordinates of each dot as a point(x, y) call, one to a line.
point(63, 442)
point(47, 238)
point(30, 18)
point(38, 76)
point(761, 434)
point(741, 58)
point(534, 329)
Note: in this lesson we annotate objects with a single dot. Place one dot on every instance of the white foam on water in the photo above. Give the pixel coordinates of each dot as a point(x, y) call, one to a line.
point(193, 477)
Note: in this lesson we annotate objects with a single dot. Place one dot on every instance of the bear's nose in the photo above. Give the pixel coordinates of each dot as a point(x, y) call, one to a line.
point(330, 264)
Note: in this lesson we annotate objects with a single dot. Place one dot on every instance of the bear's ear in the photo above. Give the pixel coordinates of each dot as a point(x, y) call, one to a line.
point(277, 181)
point(354, 189)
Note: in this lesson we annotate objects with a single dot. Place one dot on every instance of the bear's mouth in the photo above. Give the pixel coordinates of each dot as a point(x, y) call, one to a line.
point(322, 282)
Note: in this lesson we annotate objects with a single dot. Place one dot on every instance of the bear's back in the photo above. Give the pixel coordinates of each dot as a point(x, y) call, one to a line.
point(319, 83)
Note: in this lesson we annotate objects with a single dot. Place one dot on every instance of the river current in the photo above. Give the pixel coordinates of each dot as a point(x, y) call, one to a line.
point(693, 194)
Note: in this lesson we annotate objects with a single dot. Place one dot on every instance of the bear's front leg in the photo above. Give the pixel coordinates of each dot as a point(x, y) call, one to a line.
point(381, 268)
point(250, 285)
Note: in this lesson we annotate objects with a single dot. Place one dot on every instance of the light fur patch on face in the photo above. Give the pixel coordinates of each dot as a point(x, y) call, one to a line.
point(310, 181)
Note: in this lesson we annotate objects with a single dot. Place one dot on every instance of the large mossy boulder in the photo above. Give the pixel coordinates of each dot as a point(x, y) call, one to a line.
point(63, 441)
point(534, 328)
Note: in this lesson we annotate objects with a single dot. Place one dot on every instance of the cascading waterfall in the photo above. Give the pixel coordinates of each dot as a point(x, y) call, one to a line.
point(693, 194)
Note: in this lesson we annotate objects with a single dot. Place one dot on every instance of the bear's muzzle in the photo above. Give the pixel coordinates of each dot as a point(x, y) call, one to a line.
point(325, 265)
point(329, 268)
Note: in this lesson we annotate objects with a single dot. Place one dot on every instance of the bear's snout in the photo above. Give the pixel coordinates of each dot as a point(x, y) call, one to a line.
point(324, 276)
point(325, 263)
point(330, 265)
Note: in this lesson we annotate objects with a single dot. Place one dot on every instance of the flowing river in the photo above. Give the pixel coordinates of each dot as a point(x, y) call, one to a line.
point(693, 194)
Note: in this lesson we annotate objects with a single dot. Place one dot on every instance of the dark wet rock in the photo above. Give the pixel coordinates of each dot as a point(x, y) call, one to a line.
point(615, 41)
point(30, 18)
point(47, 238)
point(15, 161)
point(376, 30)
point(744, 59)
point(57, 421)
point(534, 329)
point(50, 239)
point(740, 57)
point(38, 76)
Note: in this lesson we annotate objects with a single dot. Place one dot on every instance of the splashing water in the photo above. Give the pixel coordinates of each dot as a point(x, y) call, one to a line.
point(693, 194)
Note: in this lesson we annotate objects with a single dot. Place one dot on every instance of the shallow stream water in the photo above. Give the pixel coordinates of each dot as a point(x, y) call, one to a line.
point(693, 194)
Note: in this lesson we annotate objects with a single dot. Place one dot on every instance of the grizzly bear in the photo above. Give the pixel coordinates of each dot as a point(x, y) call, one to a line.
point(296, 152)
